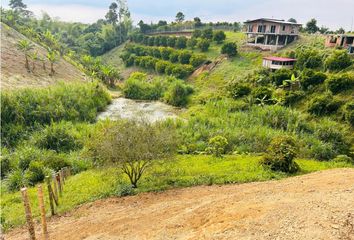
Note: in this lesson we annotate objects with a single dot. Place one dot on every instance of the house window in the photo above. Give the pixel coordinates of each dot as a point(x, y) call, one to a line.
point(284, 28)
point(261, 28)
point(250, 28)
point(272, 28)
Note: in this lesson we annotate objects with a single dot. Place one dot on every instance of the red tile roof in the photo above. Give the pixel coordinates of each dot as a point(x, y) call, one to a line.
point(280, 59)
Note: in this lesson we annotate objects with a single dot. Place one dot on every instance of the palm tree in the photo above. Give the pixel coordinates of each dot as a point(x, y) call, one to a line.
point(25, 46)
point(52, 58)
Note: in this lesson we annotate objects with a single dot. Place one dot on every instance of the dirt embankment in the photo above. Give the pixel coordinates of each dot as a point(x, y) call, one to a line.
point(14, 75)
point(315, 206)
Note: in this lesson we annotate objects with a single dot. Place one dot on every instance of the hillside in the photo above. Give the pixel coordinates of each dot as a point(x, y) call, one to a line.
point(13, 72)
point(313, 206)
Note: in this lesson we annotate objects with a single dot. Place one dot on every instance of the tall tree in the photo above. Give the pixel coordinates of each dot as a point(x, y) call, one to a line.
point(340, 31)
point(17, 5)
point(197, 22)
point(293, 20)
point(180, 17)
point(112, 16)
point(311, 26)
point(25, 46)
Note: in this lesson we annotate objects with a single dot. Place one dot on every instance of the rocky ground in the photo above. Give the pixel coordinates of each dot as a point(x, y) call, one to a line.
point(314, 206)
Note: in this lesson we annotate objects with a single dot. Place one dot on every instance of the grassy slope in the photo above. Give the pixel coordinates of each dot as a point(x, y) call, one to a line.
point(185, 171)
point(13, 72)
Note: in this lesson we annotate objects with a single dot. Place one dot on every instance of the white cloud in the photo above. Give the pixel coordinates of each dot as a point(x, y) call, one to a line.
point(70, 12)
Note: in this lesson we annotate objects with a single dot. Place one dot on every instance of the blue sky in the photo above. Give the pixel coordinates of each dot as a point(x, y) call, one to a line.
point(333, 14)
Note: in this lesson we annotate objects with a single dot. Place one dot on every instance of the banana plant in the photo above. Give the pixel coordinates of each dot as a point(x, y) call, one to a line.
point(25, 46)
point(291, 82)
point(34, 57)
point(52, 58)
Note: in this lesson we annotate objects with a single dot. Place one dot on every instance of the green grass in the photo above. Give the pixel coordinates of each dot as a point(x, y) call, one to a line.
point(184, 171)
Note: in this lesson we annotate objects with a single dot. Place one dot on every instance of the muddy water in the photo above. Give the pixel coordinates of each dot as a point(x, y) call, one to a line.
point(138, 110)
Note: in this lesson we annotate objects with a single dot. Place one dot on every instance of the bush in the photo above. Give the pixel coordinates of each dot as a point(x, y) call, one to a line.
point(343, 159)
point(323, 105)
point(217, 146)
point(171, 42)
point(309, 58)
point(349, 113)
point(137, 87)
point(16, 180)
point(23, 156)
point(279, 76)
point(311, 78)
point(27, 110)
point(60, 137)
point(174, 57)
point(207, 34)
point(184, 57)
point(338, 60)
point(181, 43)
point(197, 59)
point(165, 53)
point(281, 154)
point(219, 36)
point(35, 173)
point(292, 97)
point(238, 90)
point(178, 93)
point(182, 71)
point(197, 34)
point(204, 45)
point(340, 82)
point(56, 161)
point(124, 190)
point(160, 66)
point(5, 165)
point(230, 49)
point(192, 42)
point(263, 95)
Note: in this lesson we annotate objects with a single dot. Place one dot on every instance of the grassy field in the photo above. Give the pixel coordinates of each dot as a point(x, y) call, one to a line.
point(184, 171)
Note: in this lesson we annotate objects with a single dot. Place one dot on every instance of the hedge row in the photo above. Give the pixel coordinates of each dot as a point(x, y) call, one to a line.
point(165, 41)
point(161, 66)
point(166, 53)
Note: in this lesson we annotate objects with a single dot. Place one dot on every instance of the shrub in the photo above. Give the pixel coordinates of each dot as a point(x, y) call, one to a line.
point(219, 36)
point(184, 57)
point(323, 105)
point(309, 58)
point(137, 87)
point(343, 159)
point(182, 71)
point(16, 180)
point(263, 95)
point(160, 66)
point(338, 60)
point(349, 113)
point(207, 34)
point(204, 45)
point(165, 53)
point(169, 68)
point(181, 43)
point(124, 190)
point(178, 93)
point(5, 165)
point(230, 49)
point(292, 97)
point(197, 59)
point(340, 82)
point(56, 161)
point(35, 173)
point(279, 76)
point(171, 42)
point(197, 34)
point(217, 146)
point(23, 156)
point(174, 57)
point(238, 90)
point(311, 78)
point(281, 154)
point(192, 43)
point(60, 137)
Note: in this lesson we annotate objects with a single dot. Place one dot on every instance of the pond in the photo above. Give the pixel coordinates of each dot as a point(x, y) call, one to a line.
point(138, 110)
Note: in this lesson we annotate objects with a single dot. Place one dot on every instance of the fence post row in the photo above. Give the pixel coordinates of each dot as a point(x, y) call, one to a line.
point(50, 194)
point(28, 213)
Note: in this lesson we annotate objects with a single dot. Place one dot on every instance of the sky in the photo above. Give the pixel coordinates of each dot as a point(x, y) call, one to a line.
point(329, 13)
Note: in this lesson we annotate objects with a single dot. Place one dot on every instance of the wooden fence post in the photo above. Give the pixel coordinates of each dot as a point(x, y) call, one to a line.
point(45, 235)
point(62, 177)
point(55, 189)
point(50, 193)
point(59, 183)
point(28, 212)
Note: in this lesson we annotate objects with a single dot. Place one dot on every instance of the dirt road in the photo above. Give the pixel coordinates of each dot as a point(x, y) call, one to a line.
point(315, 206)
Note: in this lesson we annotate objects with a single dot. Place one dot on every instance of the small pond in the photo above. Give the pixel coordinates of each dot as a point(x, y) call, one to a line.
point(138, 110)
